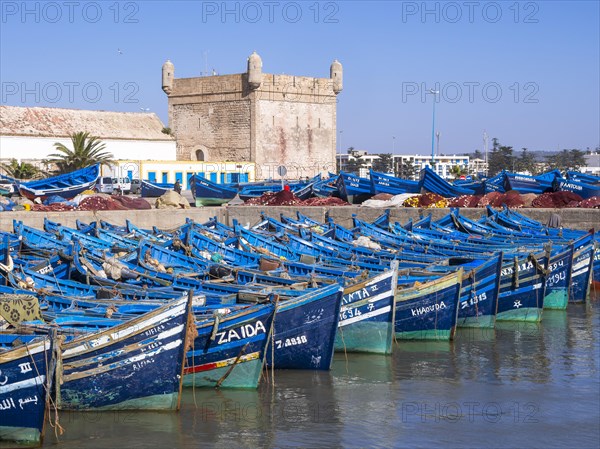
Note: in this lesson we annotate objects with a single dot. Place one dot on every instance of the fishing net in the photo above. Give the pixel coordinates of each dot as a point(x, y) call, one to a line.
point(593, 202)
point(428, 200)
point(287, 198)
point(98, 202)
point(557, 200)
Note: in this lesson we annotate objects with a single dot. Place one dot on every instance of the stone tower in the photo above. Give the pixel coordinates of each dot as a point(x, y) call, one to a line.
point(268, 119)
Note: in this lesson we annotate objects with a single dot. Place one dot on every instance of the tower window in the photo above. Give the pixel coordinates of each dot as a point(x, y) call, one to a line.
point(199, 155)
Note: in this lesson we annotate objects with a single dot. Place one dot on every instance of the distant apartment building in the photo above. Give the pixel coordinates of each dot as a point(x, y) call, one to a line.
point(592, 162)
point(442, 164)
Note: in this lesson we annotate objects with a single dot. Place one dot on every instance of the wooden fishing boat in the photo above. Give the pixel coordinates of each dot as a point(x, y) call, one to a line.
point(25, 376)
point(155, 189)
point(305, 329)
point(522, 288)
point(558, 280)
point(428, 310)
point(582, 189)
point(384, 183)
point(353, 189)
point(479, 294)
point(366, 322)
point(136, 365)
point(229, 351)
point(431, 182)
point(208, 193)
point(67, 185)
point(529, 184)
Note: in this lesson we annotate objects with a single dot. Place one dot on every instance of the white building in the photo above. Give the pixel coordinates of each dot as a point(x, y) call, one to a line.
point(592, 162)
point(442, 166)
point(29, 134)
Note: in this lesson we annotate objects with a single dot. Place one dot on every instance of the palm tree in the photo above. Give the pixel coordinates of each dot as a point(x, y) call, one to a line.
point(457, 171)
point(87, 150)
point(21, 170)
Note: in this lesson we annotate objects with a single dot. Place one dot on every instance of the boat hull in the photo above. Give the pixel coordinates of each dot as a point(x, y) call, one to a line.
point(558, 281)
point(521, 295)
point(23, 380)
point(366, 322)
point(231, 353)
point(136, 365)
point(428, 311)
point(304, 331)
point(479, 295)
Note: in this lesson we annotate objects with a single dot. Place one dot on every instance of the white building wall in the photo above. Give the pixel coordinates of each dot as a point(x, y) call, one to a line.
point(23, 147)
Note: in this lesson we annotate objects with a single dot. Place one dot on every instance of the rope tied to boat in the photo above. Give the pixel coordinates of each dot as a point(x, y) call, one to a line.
point(516, 272)
point(538, 266)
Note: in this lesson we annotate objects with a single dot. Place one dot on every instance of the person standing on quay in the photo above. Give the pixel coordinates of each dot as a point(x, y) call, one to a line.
point(177, 186)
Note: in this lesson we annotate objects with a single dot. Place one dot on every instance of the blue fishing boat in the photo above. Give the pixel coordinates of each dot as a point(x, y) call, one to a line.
point(229, 351)
point(583, 177)
point(208, 193)
point(528, 184)
point(522, 288)
point(25, 379)
point(582, 189)
point(67, 185)
point(354, 189)
point(155, 189)
point(384, 183)
point(582, 270)
point(136, 365)
point(479, 294)
point(433, 183)
point(366, 322)
point(428, 310)
point(325, 187)
point(559, 279)
point(305, 329)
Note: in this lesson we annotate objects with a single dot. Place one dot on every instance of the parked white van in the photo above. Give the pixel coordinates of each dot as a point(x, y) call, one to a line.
point(104, 184)
point(121, 185)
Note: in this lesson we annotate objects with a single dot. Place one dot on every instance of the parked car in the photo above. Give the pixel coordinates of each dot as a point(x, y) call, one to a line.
point(121, 185)
point(136, 186)
point(104, 184)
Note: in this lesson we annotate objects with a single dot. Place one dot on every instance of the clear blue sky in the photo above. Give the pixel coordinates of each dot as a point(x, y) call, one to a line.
point(527, 72)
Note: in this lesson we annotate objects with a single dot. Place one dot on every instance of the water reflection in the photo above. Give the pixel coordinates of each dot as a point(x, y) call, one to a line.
point(519, 384)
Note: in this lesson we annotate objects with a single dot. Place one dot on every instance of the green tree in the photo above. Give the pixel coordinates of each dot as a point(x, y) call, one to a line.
point(87, 150)
point(501, 158)
point(566, 160)
point(526, 162)
point(404, 169)
point(23, 170)
point(384, 164)
point(457, 171)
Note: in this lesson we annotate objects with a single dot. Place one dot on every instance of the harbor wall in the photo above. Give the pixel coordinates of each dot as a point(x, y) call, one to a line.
point(583, 219)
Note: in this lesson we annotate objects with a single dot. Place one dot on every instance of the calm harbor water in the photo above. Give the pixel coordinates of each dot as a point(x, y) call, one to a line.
point(520, 385)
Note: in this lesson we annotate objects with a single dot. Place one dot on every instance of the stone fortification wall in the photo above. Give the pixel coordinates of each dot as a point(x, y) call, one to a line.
point(275, 120)
point(583, 219)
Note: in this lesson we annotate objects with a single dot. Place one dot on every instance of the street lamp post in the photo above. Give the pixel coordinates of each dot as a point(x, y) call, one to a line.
point(434, 93)
point(393, 144)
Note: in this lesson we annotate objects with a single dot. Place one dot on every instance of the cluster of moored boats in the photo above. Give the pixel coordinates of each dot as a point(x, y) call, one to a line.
point(355, 189)
point(131, 315)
